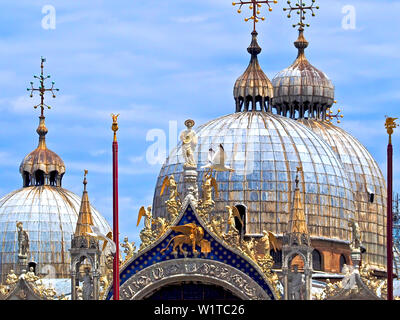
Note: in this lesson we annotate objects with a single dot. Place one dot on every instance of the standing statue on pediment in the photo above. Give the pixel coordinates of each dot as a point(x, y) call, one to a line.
point(189, 142)
point(23, 241)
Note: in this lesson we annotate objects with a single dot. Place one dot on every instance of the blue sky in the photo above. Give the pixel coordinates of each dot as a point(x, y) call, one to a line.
point(160, 61)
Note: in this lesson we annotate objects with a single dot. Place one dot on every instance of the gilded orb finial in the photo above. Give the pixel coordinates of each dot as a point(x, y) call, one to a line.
point(330, 116)
point(255, 6)
point(301, 9)
point(390, 124)
point(114, 126)
point(42, 89)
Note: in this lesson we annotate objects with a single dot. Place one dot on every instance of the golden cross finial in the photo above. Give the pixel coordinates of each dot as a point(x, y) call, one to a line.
point(255, 6)
point(390, 124)
point(42, 89)
point(301, 9)
point(330, 116)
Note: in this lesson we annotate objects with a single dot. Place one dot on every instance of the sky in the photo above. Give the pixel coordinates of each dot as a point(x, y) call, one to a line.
point(158, 63)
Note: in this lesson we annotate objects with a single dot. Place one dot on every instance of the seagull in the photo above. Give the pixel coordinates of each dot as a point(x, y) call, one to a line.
point(106, 238)
point(216, 161)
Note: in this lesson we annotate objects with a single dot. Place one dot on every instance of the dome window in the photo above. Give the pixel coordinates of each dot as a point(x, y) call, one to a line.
point(27, 179)
point(371, 195)
point(242, 211)
point(39, 178)
point(342, 262)
point(317, 260)
point(53, 178)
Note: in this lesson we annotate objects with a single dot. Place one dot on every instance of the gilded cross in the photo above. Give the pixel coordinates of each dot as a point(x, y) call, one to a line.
point(301, 9)
point(42, 89)
point(255, 6)
point(330, 116)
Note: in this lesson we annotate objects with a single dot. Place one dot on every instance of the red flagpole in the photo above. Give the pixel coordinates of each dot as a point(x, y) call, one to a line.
point(115, 210)
point(390, 124)
point(389, 223)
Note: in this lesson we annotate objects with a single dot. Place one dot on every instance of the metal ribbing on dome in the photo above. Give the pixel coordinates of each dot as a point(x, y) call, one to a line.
point(265, 150)
point(301, 90)
point(49, 215)
point(367, 183)
point(42, 160)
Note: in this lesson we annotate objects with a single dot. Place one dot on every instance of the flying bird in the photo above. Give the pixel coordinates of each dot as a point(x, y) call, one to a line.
point(216, 161)
point(96, 233)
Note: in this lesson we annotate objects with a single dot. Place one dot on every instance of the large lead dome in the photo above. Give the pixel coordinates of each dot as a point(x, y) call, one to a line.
point(309, 97)
point(367, 183)
point(265, 149)
point(48, 212)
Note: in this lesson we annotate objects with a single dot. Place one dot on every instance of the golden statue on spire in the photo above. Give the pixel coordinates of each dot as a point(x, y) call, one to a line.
point(390, 124)
point(255, 6)
point(42, 89)
point(301, 9)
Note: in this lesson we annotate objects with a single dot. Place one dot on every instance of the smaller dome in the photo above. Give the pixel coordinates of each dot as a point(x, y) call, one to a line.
point(42, 166)
point(302, 87)
point(253, 86)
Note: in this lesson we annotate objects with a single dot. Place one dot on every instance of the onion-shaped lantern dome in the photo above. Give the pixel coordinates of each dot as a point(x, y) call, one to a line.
point(302, 90)
point(253, 87)
point(42, 166)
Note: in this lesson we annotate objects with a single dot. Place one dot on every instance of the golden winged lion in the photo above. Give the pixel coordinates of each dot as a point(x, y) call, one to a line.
point(191, 235)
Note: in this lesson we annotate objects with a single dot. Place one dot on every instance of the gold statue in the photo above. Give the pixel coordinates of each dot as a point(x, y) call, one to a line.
point(209, 183)
point(114, 126)
point(216, 225)
point(191, 235)
point(189, 143)
point(12, 278)
point(248, 248)
point(30, 276)
point(163, 226)
point(169, 182)
point(129, 248)
point(233, 213)
point(148, 217)
point(268, 239)
point(390, 124)
point(106, 278)
point(4, 290)
point(173, 203)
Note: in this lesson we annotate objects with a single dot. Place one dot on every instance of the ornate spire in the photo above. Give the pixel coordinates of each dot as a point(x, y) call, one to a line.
point(302, 88)
point(297, 223)
point(85, 220)
point(296, 242)
point(253, 86)
point(42, 166)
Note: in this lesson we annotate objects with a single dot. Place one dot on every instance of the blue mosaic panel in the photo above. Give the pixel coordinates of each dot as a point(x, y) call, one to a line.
point(219, 252)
